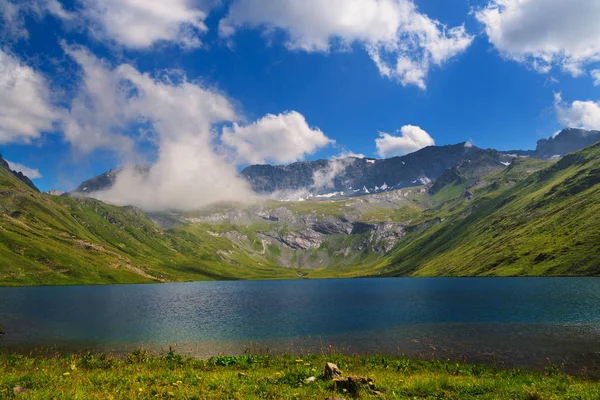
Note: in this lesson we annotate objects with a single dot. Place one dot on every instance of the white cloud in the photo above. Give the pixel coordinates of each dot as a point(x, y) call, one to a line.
point(193, 167)
point(324, 178)
point(188, 172)
point(141, 23)
point(545, 33)
point(348, 153)
point(596, 75)
point(402, 42)
point(578, 114)
point(14, 13)
point(278, 138)
point(31, 173)
point(100, 112)
point(25, 106)
point(411, 139)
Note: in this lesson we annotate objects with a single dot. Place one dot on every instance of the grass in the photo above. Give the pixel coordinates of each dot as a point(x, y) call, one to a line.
point(534, 218)
point(523, 223)
point(258, 376)
point(64, 240)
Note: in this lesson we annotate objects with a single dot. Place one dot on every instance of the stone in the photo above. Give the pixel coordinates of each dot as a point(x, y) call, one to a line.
point(353, 383)
point(332, 371)
point(310, 379)
point(19, 390)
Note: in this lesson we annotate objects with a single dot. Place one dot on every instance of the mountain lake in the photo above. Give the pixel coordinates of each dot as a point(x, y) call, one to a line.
point(515, 322)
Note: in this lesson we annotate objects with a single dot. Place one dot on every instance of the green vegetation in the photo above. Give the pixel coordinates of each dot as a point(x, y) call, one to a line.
point(171, 376)
point(521, 223)
point(67, 240)
point(532, 218)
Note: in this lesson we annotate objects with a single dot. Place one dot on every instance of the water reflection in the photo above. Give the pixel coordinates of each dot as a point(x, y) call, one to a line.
point(522, 320)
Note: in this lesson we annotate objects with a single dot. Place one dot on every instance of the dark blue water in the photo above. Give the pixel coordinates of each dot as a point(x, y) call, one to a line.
point(521, 319)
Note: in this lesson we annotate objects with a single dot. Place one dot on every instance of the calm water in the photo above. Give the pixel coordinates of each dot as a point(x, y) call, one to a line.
point(513, 321)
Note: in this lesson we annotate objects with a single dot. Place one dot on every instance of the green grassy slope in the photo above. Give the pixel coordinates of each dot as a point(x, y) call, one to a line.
point(545, 223)
point(532, 218)
point(66, 240)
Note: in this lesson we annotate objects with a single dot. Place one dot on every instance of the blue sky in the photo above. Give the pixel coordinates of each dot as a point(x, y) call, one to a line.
point(493, 83)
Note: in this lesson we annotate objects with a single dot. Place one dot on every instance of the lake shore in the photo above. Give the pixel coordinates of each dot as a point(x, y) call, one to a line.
point(258, 376)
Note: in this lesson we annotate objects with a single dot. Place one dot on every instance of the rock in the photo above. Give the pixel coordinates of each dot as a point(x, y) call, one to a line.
point(468, 195)
point(329, 227)
point(19, 390)
point(353, 383)
point(332, 371)
point(304, 240)
point(311, 379)
point(385, 235)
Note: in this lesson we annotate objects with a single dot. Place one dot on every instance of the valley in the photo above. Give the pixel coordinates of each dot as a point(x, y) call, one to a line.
point(473, 212)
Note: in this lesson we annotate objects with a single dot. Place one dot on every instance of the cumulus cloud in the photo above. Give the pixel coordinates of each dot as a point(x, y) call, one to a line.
point(348, 153)
point(13, 15)
point(578, 114)
point(402, 42)
point(281, 138)
point(31, 173)
point(596, 75)
point(195, 164)
point(140, 24)
point(131, 23)
point(545, 33)
point(188, 172)
point(411, 139)
point(26, 109)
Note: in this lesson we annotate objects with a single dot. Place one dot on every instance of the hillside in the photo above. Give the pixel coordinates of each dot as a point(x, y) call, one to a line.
point(481, 217)
point(544, 224)
point(65, 240)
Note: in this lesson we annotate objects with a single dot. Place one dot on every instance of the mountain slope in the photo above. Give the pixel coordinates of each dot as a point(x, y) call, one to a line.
point(482, 217)
point(19, 175)
point(544, 224)
point(566, 141)
point(65, 240)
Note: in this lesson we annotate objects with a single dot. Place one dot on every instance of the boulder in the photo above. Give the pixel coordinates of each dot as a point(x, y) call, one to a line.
point(332, 371)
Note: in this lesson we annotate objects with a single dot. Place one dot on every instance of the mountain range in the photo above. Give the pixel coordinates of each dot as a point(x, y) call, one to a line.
point(358, 176)
point(442, 211)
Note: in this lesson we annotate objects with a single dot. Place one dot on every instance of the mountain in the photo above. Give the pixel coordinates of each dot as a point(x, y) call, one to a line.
point(566, 141)
point(481, 217)
point(19, 175)
point(103, 181)
point(353, 174)
point(529, 219)
point(357, 176)
point(48, 239)
point(470, 171)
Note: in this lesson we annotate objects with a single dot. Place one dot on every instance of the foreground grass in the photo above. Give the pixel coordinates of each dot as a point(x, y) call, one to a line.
point(138, 375)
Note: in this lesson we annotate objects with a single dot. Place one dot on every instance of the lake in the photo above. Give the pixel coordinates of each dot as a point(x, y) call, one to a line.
point(510, 321)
